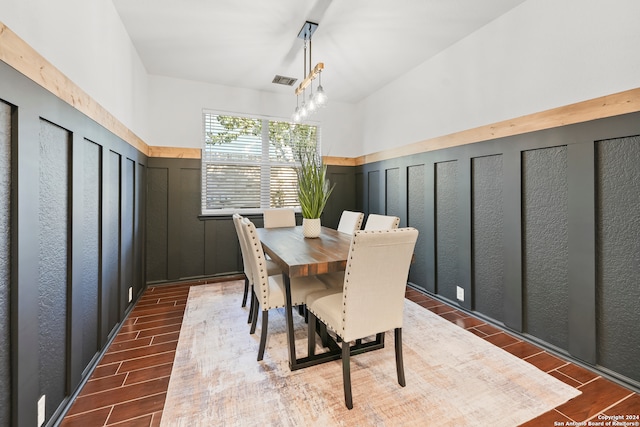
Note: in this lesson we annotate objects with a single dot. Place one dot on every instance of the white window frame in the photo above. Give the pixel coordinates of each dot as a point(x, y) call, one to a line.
point(265, 164)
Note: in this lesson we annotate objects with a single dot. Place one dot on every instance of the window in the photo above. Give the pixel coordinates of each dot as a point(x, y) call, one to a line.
point(249, 164)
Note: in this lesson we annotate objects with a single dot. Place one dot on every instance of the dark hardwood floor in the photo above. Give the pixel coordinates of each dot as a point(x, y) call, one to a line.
point(129, 386)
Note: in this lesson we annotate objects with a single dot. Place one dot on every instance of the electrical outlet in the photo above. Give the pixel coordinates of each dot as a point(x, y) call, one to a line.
point(130, 293)
point(41, 410)
point(460, 293)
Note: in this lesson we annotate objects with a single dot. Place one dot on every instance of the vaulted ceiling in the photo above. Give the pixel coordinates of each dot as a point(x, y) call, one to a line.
point(364, 44)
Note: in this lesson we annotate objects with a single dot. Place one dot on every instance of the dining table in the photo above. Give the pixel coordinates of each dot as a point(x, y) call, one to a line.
point(298, 256)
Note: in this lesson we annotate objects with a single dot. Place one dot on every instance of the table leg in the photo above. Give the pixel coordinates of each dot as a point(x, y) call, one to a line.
point(289, 315)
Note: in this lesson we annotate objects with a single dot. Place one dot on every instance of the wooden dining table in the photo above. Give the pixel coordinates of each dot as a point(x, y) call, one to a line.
point(298, 256)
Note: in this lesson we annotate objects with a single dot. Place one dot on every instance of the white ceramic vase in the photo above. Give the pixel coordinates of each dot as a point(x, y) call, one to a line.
point(311, 227)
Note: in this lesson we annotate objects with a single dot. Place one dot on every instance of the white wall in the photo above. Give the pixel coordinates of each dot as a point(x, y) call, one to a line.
point(542, 54)
point(87, 42)
point(175, 108)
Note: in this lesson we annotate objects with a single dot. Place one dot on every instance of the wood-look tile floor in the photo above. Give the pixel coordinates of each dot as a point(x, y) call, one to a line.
point(129, 385)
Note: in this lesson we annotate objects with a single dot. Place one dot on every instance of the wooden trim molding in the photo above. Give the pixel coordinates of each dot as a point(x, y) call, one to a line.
point(339, 161)
point(16, 53)
point(19, 55)
point(175, 152)
point(597, 108)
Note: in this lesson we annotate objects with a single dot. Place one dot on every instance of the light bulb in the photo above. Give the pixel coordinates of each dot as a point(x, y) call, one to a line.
point(303, 111)
point(296, 115)
point(320, 97)
point(311, 105)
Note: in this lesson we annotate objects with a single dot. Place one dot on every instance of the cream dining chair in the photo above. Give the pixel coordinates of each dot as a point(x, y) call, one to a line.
point(268, 291)
point(372, 298)
point(350, 222)
point(381, 222)
point(374, 222)
point(272, 267)
point(279, 217)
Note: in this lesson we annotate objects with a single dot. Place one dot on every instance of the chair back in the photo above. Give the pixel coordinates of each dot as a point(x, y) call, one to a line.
point(381, 222)
point(350, 222)
point(237, 222)
point(375, 281)
point(279, 217)
point(257, 261)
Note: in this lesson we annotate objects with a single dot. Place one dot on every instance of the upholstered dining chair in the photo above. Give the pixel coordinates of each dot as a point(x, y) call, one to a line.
point(372, 298)
point(381, 222)
point(350, 222)
point(279, 217)
point(268, 291)
point(374, 222)
point(272, 267)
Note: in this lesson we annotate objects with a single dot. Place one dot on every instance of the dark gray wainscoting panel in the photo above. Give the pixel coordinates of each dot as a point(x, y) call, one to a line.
point(139, 225)
point(190, 227)
point(5, 264)
point(53, 262)
point(539, 229)
point(374, 200)
point(446, 195)
point(393, 193)
point(360, 193)
point(222, 249)
point(111, 241)
point(157, 223)
point(618, 254)
point(546, 255)
point(417, 218)
point(69, 246)
point(362, 203)
point(488, 235)
point(89, 228)
point(180, 243)
point(128, 231)
point(343, 196)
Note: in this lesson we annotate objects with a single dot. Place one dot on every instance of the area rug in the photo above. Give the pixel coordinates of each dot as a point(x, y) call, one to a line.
point(454, 378)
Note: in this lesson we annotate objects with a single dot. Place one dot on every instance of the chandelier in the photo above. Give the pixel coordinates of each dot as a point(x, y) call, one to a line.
point(315, 100)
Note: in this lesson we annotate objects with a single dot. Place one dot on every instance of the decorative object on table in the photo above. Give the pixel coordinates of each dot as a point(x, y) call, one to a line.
point(314, 190)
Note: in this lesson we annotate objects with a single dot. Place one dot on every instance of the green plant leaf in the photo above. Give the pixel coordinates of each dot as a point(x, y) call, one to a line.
point(314, 188)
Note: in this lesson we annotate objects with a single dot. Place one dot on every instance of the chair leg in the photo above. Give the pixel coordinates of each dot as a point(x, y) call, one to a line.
point(263, 334)
point(311, 334)
point(254, 314)
point(246, 292)
point(324, 336)
point(251, 305)
point(399, 362)
point(346, 375)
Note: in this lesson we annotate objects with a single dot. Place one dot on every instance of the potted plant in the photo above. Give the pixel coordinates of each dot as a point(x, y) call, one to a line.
point(314, 190)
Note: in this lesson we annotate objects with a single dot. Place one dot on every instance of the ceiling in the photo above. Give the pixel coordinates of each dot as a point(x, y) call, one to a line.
point(364, 44)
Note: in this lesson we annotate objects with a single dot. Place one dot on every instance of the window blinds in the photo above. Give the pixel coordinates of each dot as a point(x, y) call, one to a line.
point(249, 164)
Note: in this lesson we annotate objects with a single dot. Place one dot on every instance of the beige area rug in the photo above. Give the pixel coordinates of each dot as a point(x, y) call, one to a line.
point(454, 378)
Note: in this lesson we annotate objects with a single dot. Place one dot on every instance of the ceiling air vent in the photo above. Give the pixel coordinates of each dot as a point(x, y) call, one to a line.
point(282, 80)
